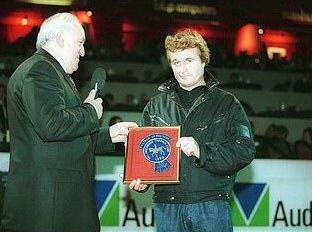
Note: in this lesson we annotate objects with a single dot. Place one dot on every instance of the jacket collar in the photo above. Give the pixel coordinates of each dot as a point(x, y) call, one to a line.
point(51, 58)
point(60, 69)
point(209, 78)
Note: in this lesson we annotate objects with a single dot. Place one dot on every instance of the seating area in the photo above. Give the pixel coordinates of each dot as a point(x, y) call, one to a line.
point(268, 96)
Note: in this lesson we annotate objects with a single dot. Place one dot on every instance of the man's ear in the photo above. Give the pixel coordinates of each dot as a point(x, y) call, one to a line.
point(60, 39)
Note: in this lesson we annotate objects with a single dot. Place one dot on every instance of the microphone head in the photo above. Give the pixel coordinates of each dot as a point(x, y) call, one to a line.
point(99, 78)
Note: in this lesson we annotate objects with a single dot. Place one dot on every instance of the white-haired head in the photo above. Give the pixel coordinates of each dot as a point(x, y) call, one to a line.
point(55, 24)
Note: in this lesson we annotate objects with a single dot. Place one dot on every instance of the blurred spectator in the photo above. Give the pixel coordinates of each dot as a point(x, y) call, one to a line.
point(165, 72)
point(274, 143)
point(239, 82)
point(4, 124)
point(131, 100)
point(283, 87)
point(129, 76)
point(262, 142)
point(9, 67)
point(131, 104)
point(148, 76)
point(303, 85)
point(278, 146)
point(108, 101)
point(143, 100)
point(259, 141)
point(150, 51)
point(114, 119)
point(120, 147)
point(303, 147)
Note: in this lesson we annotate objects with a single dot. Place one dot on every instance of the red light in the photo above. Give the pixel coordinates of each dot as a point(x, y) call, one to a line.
point(24, 21)
point(247, 40)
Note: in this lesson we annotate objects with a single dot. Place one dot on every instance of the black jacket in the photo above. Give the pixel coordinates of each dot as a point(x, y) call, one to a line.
point(218, 123)
point(50, 180)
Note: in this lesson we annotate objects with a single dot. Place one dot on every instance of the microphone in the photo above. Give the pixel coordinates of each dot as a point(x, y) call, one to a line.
point(98, 81)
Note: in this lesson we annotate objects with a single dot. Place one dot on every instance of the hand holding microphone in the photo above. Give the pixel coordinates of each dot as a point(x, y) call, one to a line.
point(95, 102)
point(97, 84)
point(98, 81)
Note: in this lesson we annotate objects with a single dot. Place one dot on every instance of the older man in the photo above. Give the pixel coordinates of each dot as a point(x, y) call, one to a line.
point(54, 135)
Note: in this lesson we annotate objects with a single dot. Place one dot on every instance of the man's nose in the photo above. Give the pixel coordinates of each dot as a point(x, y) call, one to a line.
point(183, 67)
point(82, 51)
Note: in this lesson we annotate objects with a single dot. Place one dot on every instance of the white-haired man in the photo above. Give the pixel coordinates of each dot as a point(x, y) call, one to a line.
point(54, 135)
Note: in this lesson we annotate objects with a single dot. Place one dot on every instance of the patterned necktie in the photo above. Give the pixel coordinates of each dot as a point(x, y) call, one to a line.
point(72, 82)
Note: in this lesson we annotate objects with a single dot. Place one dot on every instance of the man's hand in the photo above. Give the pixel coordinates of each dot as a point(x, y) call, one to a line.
point(189, 146)
point(136, 185)
point(119, 131)
point(96, 103)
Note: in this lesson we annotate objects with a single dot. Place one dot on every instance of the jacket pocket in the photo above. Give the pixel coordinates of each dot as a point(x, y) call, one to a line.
point(211, 122)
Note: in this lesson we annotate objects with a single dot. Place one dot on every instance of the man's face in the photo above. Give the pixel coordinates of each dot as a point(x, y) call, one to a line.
point(187, 68)
point(73, 48)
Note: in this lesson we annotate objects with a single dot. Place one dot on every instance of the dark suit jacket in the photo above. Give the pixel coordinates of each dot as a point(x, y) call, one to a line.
point(53, 135)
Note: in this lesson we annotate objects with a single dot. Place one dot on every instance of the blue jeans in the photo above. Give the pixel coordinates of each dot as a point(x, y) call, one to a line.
point(210, 216)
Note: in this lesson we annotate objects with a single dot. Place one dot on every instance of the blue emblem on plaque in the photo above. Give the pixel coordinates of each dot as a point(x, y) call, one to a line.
point(156, 149)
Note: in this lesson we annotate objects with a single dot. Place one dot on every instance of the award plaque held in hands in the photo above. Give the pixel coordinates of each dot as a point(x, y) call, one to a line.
point(152, 155)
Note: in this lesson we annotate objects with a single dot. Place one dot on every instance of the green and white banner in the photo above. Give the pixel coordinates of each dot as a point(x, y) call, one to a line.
point(269, 195)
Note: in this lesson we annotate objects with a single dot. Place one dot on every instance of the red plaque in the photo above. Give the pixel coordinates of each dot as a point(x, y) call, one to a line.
point(152, 155)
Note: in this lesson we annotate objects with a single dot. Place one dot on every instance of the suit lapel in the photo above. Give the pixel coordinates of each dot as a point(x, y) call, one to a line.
point(60, 72)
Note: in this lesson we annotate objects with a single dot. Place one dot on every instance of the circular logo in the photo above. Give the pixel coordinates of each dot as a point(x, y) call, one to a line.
point(156, 149)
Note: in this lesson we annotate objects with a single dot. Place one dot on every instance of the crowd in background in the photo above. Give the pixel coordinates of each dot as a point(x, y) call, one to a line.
point(273, 144)
point(150, 51)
